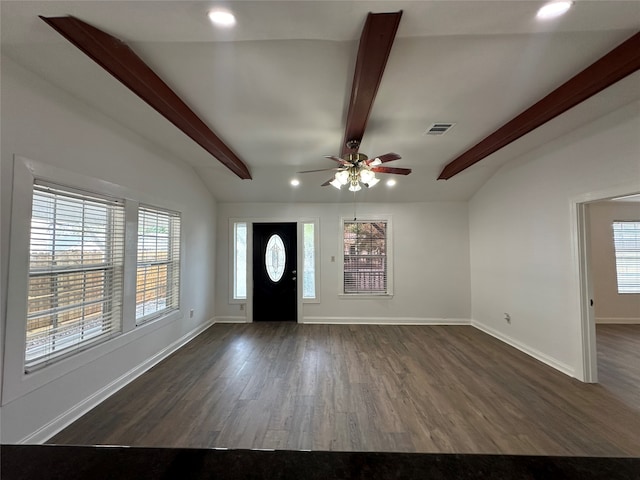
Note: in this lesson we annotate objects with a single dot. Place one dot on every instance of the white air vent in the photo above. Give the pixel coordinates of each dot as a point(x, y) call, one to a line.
point(439, 128)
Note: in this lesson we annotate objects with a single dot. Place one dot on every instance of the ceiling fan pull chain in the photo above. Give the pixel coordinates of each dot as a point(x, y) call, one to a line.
point(354, 206)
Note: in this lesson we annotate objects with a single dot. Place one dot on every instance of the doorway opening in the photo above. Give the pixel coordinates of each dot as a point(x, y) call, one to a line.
point(586, 264)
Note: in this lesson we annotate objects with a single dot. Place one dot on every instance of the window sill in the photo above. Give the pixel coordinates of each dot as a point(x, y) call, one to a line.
point(365, 296)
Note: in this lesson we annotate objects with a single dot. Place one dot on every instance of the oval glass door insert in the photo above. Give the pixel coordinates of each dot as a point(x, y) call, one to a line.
point(275, 258)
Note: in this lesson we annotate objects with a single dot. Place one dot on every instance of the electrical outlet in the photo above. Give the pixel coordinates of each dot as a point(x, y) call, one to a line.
point(242, 307)
point(507, 318)
point(191, 313)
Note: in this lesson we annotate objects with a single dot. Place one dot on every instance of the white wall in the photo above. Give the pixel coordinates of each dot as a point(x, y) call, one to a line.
point(610, 306)
point(523, 259)
point(45, 124)
point(431, 261)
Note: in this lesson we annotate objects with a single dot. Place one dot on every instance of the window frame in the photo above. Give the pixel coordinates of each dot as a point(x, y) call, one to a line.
point(173, 264)
point(389, 257)
point(316, 259)
point(634, 288)
point(15, 382)
point(113, 274)
point(234, 297)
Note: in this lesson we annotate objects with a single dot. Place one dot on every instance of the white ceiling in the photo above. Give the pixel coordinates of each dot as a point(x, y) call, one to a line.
point(275, 87)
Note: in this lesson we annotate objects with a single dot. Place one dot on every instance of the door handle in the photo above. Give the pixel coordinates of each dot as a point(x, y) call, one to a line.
point(294, 271)
point(293, 278)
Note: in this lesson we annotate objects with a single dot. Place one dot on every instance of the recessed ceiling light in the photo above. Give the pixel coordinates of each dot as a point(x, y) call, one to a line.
point(391, 182)
point(553, 9)
point(295, 182)
point(222, 18)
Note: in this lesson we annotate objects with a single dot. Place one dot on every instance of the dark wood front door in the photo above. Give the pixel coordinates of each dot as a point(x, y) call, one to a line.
point(275, 296)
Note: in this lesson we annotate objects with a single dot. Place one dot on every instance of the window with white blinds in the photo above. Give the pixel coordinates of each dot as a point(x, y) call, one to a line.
point(158, 264)
point(365, 257)
point(75, 273)
point(626, 240)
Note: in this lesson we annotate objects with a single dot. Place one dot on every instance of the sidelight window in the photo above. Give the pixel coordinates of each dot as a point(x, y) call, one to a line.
point(309, 260)
point(239, 260)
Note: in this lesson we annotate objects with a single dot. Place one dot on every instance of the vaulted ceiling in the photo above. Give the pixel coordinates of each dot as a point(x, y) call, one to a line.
point(276, 87)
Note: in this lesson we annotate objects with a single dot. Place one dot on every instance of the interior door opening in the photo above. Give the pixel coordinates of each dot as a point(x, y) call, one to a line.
point(585, 270)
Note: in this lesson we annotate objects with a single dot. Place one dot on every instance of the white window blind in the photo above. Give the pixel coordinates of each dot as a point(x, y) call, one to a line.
point(75, 273)
point(626, 240)
point(158, 264)
point(365, 257)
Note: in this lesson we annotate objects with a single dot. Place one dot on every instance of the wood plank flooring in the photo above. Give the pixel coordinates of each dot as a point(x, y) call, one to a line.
point(365, 388)
point(619, 361)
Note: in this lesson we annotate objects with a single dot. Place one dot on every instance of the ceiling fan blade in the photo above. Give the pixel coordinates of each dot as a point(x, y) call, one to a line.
point(387, 157)
point(320, 170)
point(336, 159)
point(328, 182)
point(375, 44)
point(126, 66)
point(395, 170)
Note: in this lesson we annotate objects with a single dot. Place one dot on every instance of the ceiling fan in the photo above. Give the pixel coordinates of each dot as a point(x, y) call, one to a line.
point(355, 168)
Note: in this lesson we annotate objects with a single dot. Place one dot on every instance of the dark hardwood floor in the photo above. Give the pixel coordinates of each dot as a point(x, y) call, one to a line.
point(619, 361)
point(369, 388)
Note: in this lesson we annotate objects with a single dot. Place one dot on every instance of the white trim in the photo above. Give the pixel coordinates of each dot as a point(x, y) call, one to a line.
point(588, 369)
point(386, 321)
point(232, 319)
point(361, 296)
point(317, 256)
point(63, 420)
point(232, 261)
point(618, 320)
point(380, 217)
point(580, 248)
point(532, 352)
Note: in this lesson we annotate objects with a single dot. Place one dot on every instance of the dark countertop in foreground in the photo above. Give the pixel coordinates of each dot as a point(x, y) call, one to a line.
point(44, 462)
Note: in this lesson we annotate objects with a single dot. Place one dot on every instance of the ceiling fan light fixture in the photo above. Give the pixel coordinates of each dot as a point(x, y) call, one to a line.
point(376, 162)
point(553, 9)
point(355, 187)
point(335, 183)
point(366, 175)
point(373, 182)
point(342, 177)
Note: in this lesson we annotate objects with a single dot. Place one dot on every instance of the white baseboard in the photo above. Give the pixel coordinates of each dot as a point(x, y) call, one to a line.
point(231, 319)
point(538, 355)
point(618, 320)
point(387, 320)
point(48, 430)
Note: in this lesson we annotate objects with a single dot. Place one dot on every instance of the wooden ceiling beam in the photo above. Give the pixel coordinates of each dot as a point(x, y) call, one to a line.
point(612, 67)
point(375, 45)
point(120, 61)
